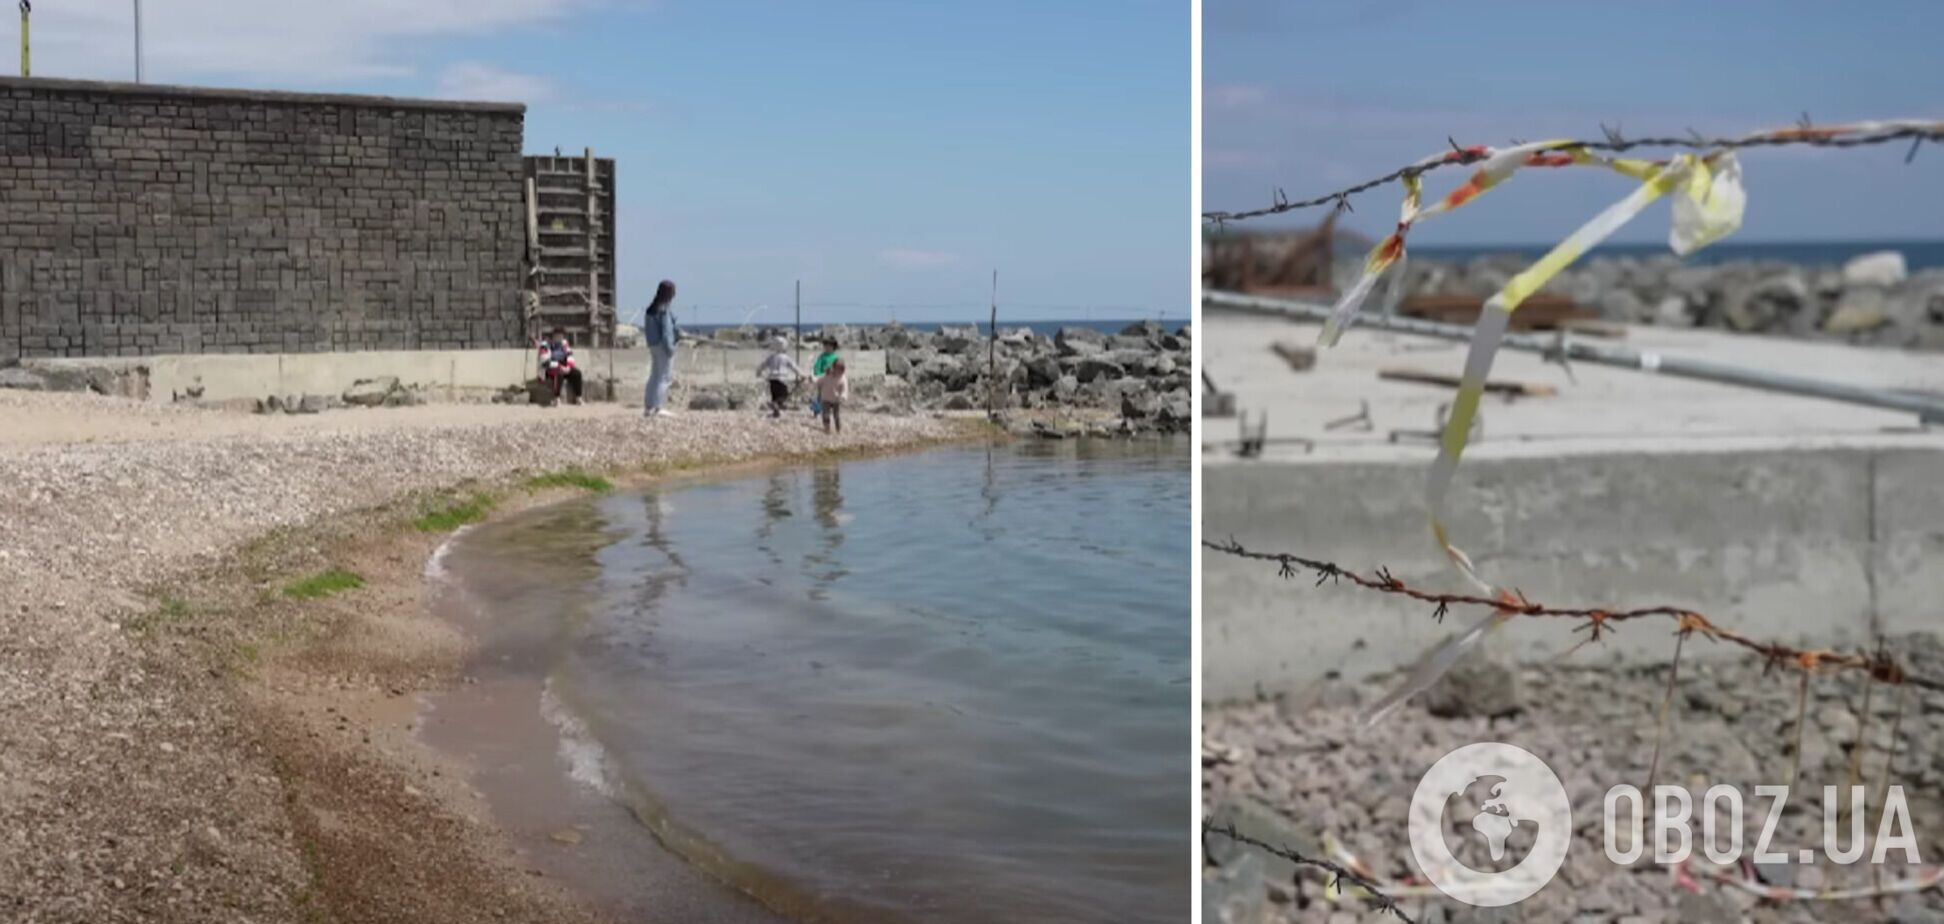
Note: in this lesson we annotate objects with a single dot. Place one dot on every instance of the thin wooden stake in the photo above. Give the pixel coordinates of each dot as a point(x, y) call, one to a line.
point(1856, 751)
point(799, 322)
point(1802, 711)
point(1883, 782)
point(992, 354)
point(1667, 703)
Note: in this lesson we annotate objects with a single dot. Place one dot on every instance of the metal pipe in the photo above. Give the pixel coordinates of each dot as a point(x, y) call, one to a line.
point(26, 69)
point(138, 41)
point(1928, 410)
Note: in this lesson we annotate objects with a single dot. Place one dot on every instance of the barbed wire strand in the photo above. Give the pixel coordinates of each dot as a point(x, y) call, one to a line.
point(1881, 666)
point(1338, 873)
point(1803, 134)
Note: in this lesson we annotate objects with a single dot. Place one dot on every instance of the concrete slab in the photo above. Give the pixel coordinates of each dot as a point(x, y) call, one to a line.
point(1607, 410)
point(1805, 521)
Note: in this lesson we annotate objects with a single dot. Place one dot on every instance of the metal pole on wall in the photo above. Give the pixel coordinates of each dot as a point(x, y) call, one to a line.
point(138, 41)
point(1927, 409)
point(25, 8)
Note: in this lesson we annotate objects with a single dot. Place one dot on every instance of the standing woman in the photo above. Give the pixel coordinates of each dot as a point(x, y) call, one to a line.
point(658, 328)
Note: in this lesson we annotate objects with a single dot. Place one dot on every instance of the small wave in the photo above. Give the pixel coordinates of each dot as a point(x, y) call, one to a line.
point(435, 567)
point(585, 758)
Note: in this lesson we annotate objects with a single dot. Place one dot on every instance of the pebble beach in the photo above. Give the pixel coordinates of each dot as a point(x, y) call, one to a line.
point(134, 783)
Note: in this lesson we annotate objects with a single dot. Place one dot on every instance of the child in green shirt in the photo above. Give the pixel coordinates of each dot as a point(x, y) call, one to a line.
point(821, 366)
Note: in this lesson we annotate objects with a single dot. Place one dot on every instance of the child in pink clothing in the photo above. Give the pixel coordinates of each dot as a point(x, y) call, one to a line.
point(832, 389)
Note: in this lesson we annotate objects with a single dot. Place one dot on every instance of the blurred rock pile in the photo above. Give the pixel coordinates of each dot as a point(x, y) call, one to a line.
point(1873, 299)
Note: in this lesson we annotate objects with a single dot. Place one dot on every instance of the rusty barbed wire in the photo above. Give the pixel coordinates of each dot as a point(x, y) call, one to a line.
point(1338, 873)
point(1803, 134)
point(1596, 621)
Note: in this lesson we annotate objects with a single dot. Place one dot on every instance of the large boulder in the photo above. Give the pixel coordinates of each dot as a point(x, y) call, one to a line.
point(897, 362)
point(1130, 360)
point(1092, 368)
point(1624, 305)
point(1883, 268)
point(24, 379)
point(1862, 309)
point(1042, 371)
point(1177, 411)
point(1075, 341)
point(957, 340)
point(1672, 311)
point(371, 392)
point(946, 371)
point(1769, 303)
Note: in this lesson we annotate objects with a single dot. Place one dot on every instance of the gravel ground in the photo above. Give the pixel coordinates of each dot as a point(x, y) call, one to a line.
point(1300, 766)
point(130, 789)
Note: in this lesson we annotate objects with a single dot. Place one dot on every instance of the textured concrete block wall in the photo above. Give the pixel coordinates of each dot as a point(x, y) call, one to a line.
point(139, 220)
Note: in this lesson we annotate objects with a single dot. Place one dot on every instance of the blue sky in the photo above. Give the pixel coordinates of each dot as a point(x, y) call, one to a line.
point(1314, 96)
point(886, 153)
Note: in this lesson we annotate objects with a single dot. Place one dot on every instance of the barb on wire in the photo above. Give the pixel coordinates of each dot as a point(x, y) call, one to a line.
point(1803, 132)
point(1881, 667)
point(1338, 873)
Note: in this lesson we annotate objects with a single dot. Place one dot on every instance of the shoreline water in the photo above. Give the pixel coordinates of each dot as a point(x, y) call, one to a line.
point(524, 710)
point(190, 732)
point(555, 831)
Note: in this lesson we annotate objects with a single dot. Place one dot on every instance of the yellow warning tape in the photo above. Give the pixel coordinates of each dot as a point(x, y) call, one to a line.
point(1708, 207)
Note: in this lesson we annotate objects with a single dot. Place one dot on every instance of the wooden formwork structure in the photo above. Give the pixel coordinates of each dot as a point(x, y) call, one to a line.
point(570, 247)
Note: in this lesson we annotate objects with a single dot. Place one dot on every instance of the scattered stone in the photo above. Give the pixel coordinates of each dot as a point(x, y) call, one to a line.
point(1710, 907)
point(22, 378)
point(371, 392)
point(1480, 685)
point(1236, 895)
point(1257, 820)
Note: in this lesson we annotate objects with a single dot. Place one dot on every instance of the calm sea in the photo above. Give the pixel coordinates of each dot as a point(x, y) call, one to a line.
point(948, 686)
point(1917, 254)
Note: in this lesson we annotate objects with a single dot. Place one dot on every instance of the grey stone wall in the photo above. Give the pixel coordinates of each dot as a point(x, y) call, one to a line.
point(142, 219)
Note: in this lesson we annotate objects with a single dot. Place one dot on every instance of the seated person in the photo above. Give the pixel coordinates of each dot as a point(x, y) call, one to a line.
point(557, 364)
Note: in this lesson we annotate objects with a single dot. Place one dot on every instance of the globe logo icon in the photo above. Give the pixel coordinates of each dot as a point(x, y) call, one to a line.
point(1505, 800)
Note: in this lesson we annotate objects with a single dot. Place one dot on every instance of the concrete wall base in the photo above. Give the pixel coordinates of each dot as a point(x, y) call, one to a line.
point(1825, 547)
point(453, 373)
